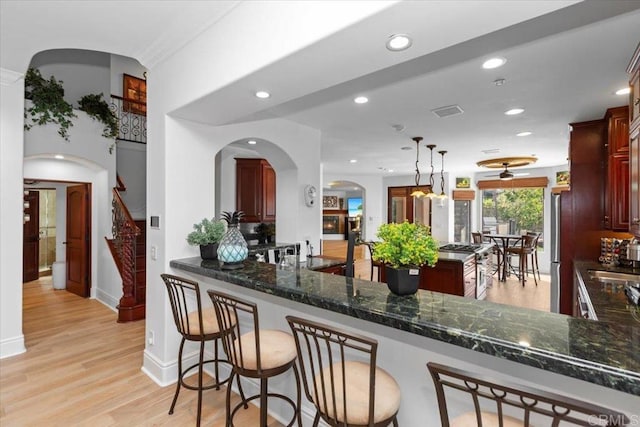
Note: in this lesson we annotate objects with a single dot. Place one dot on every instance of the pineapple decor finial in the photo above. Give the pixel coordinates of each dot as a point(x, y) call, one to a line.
point(232, 218)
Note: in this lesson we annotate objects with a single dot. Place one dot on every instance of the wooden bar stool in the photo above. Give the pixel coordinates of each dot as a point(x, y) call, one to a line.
point(345, 392)
point(523, 251)
point(257, 353)
point(194, 324)
point(525, 406)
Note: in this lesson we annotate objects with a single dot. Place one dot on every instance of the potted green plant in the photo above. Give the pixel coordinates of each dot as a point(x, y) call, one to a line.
point(404, 248)
point(207, 234)
point(265, 232)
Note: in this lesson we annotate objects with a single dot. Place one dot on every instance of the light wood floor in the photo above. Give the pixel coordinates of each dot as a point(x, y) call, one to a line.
point(83, 369)
point(510, 292)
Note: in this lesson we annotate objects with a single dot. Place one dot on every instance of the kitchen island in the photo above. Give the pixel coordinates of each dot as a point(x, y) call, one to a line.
point(590, 360)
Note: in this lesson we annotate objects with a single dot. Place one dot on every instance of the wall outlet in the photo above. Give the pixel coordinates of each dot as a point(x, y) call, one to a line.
point(154, 252)
point(151, 338)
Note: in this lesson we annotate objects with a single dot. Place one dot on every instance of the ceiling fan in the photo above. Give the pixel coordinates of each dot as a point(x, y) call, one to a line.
point(506, 174)
point(504, 163)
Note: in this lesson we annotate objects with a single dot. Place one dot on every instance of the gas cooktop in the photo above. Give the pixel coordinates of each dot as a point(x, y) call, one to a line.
point(462, 247)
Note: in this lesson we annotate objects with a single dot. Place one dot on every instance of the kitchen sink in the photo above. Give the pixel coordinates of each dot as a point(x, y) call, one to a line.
point(610, 276)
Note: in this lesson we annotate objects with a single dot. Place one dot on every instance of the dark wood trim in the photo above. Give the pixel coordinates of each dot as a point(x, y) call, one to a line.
point(334, 212)
point(463, 195)
point(542, 181)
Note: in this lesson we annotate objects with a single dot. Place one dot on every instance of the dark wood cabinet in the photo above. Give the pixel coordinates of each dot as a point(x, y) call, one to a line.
point(616, 208)
point(619, 191)
point(402, 206)
point(256, 190)
point(634, 150)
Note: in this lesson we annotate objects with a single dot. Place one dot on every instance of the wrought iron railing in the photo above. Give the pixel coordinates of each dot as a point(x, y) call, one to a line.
point(125, 231)
point(132, 119)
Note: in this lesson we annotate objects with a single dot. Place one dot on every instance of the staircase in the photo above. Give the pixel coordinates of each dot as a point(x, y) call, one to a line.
point(128, 248)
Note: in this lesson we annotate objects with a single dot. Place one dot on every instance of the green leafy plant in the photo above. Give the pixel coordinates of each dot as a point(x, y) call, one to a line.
point(406, 245)
point(48, 104)
point(232, 218)
point(206, 232)
point(95, 106)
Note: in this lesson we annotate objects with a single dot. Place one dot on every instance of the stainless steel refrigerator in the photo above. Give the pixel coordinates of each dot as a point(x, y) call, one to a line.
point(555, 253)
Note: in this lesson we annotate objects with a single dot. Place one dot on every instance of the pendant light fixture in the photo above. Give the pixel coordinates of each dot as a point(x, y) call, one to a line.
point(417, 192)
point(442, 195)
point(431, 193)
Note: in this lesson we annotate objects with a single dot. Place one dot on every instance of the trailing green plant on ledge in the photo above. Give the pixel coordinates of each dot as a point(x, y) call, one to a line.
point(95, 106)
point(48, 104)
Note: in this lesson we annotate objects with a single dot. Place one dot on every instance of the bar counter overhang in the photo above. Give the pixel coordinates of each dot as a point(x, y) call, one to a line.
point(589, 360)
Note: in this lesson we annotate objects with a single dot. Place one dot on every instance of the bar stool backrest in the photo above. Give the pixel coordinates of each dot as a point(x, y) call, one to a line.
point(322, 349)
point(528, 405)
point(184, 296)
point(228, 312)
point(477, 237)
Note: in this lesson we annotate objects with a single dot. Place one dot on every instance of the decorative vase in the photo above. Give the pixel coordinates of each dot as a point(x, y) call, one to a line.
point(403, 281)
point(232, 249)
point(209, 251)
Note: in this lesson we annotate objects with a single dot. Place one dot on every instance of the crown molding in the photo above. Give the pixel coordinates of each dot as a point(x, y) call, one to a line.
point(9, 77)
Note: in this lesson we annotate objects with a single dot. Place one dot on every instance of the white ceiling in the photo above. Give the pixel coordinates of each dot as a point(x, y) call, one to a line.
point(565, 60)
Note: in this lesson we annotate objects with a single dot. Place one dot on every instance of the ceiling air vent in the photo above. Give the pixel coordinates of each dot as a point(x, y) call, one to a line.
point(448, 111)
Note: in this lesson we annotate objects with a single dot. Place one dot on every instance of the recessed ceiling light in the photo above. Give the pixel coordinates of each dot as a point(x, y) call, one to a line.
point(390, 171)
point(361, 100)
point(398, 42)
point(59, 156)
point(262, 94)
point(624, 91)
point(353, 161)
point(514, 111)
point(252, 142)
point(493, 63)
point(526, 133)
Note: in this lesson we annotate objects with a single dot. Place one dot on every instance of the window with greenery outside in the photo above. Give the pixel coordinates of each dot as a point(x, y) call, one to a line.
point(518, 210)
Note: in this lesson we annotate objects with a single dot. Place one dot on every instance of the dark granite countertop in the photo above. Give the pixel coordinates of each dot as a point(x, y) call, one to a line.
point(607, 299)
point(598, 352)
point(454, 256)
point(321, 262)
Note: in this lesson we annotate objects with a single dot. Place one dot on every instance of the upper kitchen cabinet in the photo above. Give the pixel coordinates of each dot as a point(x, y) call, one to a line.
point(256, 190)
point(634, 151)
point(617, 190)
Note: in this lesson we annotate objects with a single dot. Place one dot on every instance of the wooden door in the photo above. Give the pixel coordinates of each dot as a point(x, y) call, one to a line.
point(31, 238)
point(79, 239)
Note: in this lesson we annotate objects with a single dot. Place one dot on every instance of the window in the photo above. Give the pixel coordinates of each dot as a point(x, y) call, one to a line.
point(513, 210)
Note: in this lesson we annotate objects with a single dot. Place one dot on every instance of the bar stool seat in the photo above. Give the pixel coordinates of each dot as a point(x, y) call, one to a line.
point(356, 387)
point(277, 348)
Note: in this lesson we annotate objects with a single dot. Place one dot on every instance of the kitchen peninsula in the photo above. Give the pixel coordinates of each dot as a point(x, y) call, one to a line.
point(594, 360)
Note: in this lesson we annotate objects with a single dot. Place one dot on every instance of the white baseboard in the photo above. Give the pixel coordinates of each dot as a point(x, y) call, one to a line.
point(12, 346)
point(107, 299)
point(167, 374)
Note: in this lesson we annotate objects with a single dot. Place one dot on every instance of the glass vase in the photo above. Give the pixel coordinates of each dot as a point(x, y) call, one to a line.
point(232, 250)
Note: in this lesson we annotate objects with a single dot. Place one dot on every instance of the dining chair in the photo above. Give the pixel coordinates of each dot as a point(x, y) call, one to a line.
point(196, 324)
point(534, 255)
point(525, 249)
point(340, 376)
point(508, 404)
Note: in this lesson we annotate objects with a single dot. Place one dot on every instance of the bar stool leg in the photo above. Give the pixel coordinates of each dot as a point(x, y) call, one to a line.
point(200, 375)
point(175, 396)
point(263, 401)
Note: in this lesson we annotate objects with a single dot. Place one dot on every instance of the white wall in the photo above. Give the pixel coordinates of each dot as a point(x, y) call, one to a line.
point(185, 173)
point(131, 159)
point(82, 72)
point(11, 197)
